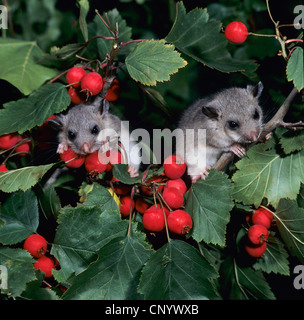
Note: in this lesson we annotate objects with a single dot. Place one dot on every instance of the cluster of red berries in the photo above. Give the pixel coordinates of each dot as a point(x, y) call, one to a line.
point(171, 188)
point(236, 32)
point(36, 245)
point(83, 85)
point(258, 232)
point(12, 140)
point(95, 163)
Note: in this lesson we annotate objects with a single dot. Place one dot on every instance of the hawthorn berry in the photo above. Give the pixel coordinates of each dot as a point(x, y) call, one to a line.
point(3, 168)
point(71, 154)
point(257, 234)
point(141, 205)
point(174, 167)
point(255, 251)
point(36, 245)
point(173, 197)
point(76, 96)
point(8, 140)
point(23, 148)
point(154, 220)
point(110, 158)
point(93, 163)
point(158, 206)
point(179, 222)
point(125, 205)
point(74, 76)
point(119, 187)
point(267, 212)
point(114, 91)
point(177, 184)
point(259, 217)
point(236, 32)
point(92, 83)
point(147, 190)
point(46, 265)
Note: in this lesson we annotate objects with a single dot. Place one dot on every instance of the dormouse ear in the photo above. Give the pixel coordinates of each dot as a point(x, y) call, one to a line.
point(56, 124)
point(256, 90)
point(210, 112)
point(105, 106)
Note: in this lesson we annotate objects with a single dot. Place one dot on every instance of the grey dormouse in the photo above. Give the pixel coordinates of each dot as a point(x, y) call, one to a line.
point(232, 118)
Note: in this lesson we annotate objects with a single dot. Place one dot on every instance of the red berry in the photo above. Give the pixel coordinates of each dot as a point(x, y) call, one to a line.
point(174, 167)
point(111, 157)
point(236, 32)
point(23, 148)
point(92, 83)
point(148, 191)
point(120, 188)
point(46, 265)
point(141, 205)
point(3, 168)
point(75, 75)
point(267, 212)
point(255, 251)
point(8, 140)
point(70, 154)
point(114, 91)
point(177, 184)
point(93, 163)
point(179, 222)
point(76, 96)
point(259, 217)
point(257, 234)
point(154, 220)
point(36, 245)
point(173, 197)
point(125, 205)
point(158, 206)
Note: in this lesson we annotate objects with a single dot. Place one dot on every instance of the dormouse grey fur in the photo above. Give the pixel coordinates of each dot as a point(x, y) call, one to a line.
point(232, 118)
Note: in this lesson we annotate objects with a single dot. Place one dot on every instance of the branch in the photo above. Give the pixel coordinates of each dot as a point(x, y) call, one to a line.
point(276, 121)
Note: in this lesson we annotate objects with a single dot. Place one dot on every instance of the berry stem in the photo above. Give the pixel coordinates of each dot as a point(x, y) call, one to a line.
point(161, 199)
point(131, 211)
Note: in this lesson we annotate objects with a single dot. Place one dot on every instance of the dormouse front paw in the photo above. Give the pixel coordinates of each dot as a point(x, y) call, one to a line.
point(62, 147)
point(238, 150)
point(132, 171)
point(203, 175)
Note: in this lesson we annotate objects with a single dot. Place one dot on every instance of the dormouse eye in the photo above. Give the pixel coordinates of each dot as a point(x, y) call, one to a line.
point(95, 130)
point(256, 115)
point(71, 135)
point(233, 125)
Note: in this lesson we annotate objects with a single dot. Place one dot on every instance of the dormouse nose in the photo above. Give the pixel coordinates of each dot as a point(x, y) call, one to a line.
point(252, 135)
point(86, 148)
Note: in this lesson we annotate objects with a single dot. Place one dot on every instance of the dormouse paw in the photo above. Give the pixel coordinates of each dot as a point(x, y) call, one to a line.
point(62, 147)
point(203, 175)
point(238, 150)
point(132, 171)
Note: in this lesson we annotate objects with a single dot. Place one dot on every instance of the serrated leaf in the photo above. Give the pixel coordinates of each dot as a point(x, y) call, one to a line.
point(209, 203)
point(23, 178)
point(26, 113)
point(20, 270)
point(177, 271)
point(275, 258)
point(295, 68)
point(243, 283)
point(290, 222)
point(114, 276)
point(200, 38)
point(21, 216)
point(153, 61)
point(266, 174)
point(291, 141)
point(20, 67)
point(83, 230)
point(84, 9)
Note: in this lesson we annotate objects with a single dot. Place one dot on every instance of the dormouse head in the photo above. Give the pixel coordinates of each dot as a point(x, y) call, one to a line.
point(81, 125)
point(236, 111)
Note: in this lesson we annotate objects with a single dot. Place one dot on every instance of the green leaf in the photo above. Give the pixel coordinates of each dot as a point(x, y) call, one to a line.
point(114, 276)
point(26, 113)
point(266, 174)
point(200, 38)
point(20, 270)
point(84, 9)
point(243, 283)
point(23, 178)
point(209, 204)
point(20, 67)
point(290, 222)
point(153, 61)
point(177, 271)
point(275, 258)
point(292, 141)
point(21, 216)
point(83, 230)
point(295, 68)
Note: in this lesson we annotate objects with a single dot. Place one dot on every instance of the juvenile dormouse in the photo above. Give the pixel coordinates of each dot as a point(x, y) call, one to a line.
point(90, 127)
point(232, 118)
